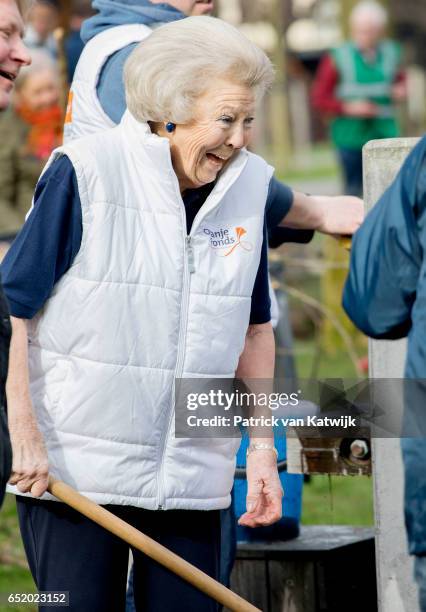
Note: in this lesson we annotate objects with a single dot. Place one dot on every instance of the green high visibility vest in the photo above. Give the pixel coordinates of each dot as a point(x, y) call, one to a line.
point(360, 79)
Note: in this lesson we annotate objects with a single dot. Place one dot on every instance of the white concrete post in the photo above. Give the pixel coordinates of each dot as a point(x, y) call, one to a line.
point(397, 591)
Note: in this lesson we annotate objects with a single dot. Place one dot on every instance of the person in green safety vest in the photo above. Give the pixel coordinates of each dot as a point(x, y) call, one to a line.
point(357, 85)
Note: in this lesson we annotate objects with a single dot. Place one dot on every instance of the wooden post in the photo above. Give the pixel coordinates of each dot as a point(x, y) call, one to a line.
point(396, 589)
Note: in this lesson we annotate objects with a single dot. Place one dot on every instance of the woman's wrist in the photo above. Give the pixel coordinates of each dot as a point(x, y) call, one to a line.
point(261, 446)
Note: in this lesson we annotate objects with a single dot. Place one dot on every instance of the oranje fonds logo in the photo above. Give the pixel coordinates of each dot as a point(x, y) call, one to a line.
point(225, 241)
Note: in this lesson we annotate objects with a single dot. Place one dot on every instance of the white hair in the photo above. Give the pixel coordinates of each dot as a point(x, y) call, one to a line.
point(371, 10)
point(40, 61)
point(171, 68)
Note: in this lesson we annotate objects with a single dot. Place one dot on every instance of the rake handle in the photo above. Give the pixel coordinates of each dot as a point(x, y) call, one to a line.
point(150, 547)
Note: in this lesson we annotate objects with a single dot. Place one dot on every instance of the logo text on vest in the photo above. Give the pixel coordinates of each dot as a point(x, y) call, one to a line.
point(224, 241)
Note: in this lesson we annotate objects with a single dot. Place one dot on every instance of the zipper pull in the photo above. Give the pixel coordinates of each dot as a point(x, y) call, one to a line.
point(190, 251)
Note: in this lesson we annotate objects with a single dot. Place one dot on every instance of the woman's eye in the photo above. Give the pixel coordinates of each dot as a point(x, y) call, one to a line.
point(227, 119)
point(249, 121)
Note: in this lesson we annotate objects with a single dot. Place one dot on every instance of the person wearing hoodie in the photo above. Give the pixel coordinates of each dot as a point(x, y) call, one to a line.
point(109, 37)
point(13, 56)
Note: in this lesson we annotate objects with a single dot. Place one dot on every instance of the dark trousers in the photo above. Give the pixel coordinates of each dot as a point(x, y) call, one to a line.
point(68, 552)
point(351, 163)
point(228, 549)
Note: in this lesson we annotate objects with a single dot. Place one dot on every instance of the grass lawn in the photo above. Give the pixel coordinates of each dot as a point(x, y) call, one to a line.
point(338, 500)
point(14, 574)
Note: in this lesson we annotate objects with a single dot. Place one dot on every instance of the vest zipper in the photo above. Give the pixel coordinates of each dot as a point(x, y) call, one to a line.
point(190, 255)
point(189, 263)
point(189, 269)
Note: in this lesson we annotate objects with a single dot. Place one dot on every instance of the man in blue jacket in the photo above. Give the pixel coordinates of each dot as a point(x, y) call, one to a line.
point(385, 296)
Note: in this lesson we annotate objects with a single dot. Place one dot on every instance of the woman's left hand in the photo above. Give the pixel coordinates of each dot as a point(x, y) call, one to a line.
point(335, 215)
point(264, 490)
point(340, 215)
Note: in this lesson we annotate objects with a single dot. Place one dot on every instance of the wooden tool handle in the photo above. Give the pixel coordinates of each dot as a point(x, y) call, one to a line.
point(150, 547)
point(345, 242)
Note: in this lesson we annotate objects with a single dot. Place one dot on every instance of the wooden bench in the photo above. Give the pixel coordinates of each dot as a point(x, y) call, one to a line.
point(326, 569)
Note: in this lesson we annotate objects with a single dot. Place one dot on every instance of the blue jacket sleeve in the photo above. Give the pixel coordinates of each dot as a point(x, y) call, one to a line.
point(386, 256)
point(46, 246)
point(110, 87)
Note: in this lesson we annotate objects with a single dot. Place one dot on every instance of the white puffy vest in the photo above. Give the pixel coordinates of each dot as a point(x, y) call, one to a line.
point(141, 305)
point(85, 114)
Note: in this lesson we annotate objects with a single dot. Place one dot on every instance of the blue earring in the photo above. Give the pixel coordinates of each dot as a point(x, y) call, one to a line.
point(170, 127)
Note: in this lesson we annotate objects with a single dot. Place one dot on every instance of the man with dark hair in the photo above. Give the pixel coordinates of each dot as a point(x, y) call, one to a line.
point(13, 55)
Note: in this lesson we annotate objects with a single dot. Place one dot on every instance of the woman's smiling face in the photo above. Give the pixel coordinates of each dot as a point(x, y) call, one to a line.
point(223, 118)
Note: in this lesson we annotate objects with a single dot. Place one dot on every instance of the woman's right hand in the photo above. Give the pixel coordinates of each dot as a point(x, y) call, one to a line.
point(30, 467)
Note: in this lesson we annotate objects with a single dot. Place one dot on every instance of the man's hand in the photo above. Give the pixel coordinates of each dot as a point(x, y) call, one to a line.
point(30, 467)
point(264, 491)
point(360, 109)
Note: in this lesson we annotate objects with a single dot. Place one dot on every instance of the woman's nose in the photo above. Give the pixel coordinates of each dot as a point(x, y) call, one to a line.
point(236, 137)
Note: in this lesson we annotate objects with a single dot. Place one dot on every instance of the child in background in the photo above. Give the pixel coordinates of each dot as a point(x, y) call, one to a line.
point(42, 21)
point(29, 131)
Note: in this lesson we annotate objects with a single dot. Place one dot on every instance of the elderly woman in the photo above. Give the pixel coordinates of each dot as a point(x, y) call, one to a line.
point(153, 275)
